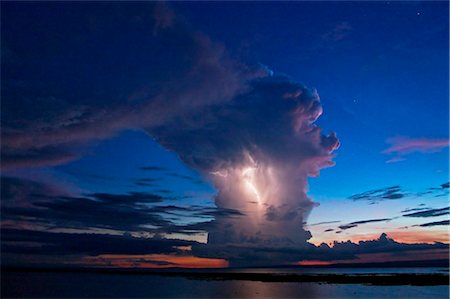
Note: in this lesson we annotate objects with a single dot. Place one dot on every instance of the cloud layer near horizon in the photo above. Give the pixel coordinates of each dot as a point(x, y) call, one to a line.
point(39, 227)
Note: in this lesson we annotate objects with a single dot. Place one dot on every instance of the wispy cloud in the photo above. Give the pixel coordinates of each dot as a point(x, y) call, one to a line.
point(436, 223)
point(338, 32)
point(35, 204)
point(401, 146)
point(324, 222)
point(153, 168)
point(396, 192)
point(356, 223)
point(430, 213)
point(376, 195)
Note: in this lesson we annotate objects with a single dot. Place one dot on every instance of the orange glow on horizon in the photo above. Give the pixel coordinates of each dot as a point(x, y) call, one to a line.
point(417, 236)
point(155, 261)
point(410, 236)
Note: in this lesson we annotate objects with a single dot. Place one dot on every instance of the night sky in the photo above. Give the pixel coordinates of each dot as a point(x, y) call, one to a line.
point(213, 134)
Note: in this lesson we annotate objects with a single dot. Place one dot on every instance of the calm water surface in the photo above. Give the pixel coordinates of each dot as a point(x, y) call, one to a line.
point(93, 285)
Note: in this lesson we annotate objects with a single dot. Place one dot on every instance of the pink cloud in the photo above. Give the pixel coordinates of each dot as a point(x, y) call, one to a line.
point(401, 146)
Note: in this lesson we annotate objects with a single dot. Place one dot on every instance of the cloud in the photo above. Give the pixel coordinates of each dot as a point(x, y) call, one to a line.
point(50, 243)
point(429, 213)
point(436, 223)
point(402, 146)
point(383, 244)
point(388, 193)
point(180, 71)
point(339, 251)
point(164, 17)
point(59, 245)
point(356, 223)
point(414, 209)
point(185, 177)
point(153, 168)
point(248, 130)
point(258, 149)
point(146, 182)
point(32, 204)
point(338, 33)
point(395, 159)
point(324, 222)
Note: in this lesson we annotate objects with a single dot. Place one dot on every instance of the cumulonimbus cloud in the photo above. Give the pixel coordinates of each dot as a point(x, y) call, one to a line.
point(258, 149)
point(250, 132)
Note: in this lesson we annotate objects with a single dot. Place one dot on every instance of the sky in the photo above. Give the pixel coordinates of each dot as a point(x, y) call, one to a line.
point(215, 134)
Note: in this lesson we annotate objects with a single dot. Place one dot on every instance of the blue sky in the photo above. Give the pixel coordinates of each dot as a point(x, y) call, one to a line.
point(77, 79)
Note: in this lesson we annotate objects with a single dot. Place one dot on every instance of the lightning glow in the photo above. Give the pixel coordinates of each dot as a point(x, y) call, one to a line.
point(248, 177)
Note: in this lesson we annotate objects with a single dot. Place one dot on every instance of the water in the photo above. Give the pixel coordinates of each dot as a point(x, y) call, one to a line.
point(94, 285)
point(312, 270)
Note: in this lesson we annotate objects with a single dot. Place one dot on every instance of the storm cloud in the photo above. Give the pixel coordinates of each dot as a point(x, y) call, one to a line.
point(190, 73)
point(248, 130)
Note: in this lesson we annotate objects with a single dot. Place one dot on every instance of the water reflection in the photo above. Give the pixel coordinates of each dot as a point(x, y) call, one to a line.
point(256, 289)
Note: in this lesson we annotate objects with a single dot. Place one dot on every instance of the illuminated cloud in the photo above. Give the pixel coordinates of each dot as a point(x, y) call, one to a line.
point(402, 146)
point(258, 149)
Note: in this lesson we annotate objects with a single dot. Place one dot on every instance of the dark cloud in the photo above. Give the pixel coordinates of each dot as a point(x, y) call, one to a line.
point(168, 74)
point(146, 182)
point(338, 251)
point(58, 244)
point(50, 243)
point(186, 178)
point(441, 190)
point(34, 203)
point(388, 193)
point(356, 223)
point(414, 209)
point(436, 223)
point(153, 168)
point(324, 222)
point(383, 245)
point(347, 226)
point(429, 213)
point(396, 192)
